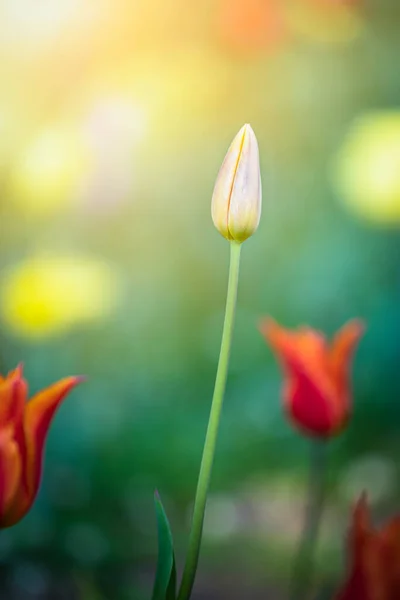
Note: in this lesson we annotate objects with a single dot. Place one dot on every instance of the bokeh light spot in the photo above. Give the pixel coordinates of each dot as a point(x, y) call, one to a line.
point(86, 543)
point(222, 519)
point(50, 171)
point(367, 169)
point(44, 295)
point(374, 474)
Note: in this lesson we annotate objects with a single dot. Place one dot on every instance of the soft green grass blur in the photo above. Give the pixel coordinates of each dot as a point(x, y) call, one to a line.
point(114, 119)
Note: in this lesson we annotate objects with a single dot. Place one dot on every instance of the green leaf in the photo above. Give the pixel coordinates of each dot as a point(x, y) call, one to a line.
point(165, 581)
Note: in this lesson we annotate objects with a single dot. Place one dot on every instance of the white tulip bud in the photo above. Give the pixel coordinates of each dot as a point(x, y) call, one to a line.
point(236, 200)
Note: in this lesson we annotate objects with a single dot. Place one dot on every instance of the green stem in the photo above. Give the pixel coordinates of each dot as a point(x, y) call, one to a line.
point(303, 563)
point(207, 460)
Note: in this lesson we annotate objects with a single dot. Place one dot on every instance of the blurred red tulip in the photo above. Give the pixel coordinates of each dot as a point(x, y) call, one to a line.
point(23, 430)
point(251, 25)
point(374, 554)
point(317, 392)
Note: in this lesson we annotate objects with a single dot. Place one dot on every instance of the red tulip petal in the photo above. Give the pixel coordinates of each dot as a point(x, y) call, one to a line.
point(304, 350)
point(390, 541)
point(342, 350)
point(38, 415)
point(360, 543)
point(361, 523)
point(17, 371)
point(306, 345)
point(374, 572)
point(13, 392)
point(390, 534)
point(10, 472)
point(310, 408)
point(309, 393)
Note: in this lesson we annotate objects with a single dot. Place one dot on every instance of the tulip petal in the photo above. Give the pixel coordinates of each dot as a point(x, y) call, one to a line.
point(374, 570)
point(38, 415)
point(13, 392)
point(361, 524)
point(10, 472)
point(305, 347)
point(390, 540)
point(311, 406)
point(224, 183)
point(309, 393)
point(30, 437)
point(390, 534)
point(245, 198)
point(18, 371)
point(236, 199)
point(359, 540)
point(342, 349)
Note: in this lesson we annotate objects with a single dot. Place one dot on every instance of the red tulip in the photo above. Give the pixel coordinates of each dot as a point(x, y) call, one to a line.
point(23, 431)
point(317, 394)
point(374, 555)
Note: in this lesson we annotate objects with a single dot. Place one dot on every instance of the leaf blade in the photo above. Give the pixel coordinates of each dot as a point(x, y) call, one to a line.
point(165, 579)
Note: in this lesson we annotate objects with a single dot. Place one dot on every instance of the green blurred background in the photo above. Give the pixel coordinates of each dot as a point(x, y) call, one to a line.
point(115, 116)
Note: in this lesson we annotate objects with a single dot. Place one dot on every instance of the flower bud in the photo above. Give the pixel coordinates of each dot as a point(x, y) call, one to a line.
point(236, 200)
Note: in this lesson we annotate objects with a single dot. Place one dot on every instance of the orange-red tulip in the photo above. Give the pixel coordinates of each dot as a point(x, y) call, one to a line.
point(23, 431)
point(374, 555)
point(317, 393)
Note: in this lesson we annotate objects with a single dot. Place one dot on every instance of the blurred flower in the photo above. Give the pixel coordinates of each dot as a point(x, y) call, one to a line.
point(317, 389)
point(374, 572)
point(367, 169)
point(45, 296)
point(49, 173)
point(23, 431)
point(324, 21)
point(236, 200)
point(251, 25)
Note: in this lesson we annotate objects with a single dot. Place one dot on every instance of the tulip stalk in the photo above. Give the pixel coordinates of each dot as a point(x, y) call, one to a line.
point(207, 460)
point(235, 210)
point(304, 559)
